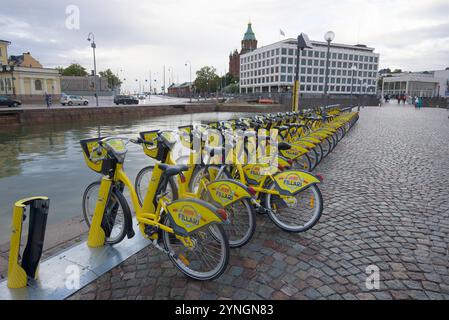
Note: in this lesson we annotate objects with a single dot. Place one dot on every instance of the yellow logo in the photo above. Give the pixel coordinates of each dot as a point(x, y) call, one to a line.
point(225, 192)
point(293, 180)
point(189, 216)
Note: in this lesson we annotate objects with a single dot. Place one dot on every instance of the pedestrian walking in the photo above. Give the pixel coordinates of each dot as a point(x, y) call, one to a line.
point(48, 99)
point(420, 103)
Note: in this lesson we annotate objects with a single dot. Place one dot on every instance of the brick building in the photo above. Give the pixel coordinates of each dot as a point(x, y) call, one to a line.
point(249, 43)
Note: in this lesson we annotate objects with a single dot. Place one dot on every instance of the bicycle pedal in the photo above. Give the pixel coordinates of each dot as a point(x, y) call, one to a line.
point(151, 231)
point(261, 210)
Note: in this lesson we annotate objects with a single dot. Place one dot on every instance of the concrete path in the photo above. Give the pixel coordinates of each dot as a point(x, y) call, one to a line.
point(386, 207)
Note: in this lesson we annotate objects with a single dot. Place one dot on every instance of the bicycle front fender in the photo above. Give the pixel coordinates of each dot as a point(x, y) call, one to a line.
point(227, 191)
point(290, 182)
point(188, 215)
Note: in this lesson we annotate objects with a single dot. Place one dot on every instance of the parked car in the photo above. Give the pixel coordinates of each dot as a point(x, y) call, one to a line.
point(71, 100)
point(125, 100)
point(10, 102)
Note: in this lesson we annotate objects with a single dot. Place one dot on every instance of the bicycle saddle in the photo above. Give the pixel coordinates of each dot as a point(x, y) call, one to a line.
point(173, 170)
point(284, 146)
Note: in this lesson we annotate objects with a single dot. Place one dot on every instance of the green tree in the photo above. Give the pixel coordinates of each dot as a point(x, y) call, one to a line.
point(113, 80)
point(207, 80)
point(74, 69)
point(397, 71)
point(228, 79)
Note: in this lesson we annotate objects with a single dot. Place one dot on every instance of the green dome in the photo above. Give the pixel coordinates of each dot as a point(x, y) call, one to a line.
point(249, 34)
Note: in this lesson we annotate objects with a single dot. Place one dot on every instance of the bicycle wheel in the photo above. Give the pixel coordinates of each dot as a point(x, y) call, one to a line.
point(302, 163)
point(319, 150)
point(297, 213)
point(209, 172)
point(208, 258)
point(114, 223)
point(143, 180)
point(242, 216)
point(326, 144)
point(313, 156)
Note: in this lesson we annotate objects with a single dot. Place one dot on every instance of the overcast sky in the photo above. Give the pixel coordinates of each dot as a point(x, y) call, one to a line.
point(139, 36)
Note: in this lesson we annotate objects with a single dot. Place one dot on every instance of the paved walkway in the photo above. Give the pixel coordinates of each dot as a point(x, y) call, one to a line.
point(386, 204)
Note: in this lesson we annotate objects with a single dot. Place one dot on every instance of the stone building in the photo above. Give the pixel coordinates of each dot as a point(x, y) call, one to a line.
point(249, 43)
point(23, 77)
point(85, 85)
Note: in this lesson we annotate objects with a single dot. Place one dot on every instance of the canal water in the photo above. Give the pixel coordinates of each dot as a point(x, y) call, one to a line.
point(47, 160)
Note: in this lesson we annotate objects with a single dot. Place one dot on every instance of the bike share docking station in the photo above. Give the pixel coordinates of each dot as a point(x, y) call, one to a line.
point(62, 275)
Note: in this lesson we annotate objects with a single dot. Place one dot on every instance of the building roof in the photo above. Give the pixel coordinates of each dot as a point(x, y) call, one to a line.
point(293, 41)
point(181, 85)
point(5, 41)
point(417, 77)
point(249, 34)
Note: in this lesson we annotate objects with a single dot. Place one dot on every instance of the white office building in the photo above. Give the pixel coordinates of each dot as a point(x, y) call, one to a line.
point(272, 68)
point(422, 84)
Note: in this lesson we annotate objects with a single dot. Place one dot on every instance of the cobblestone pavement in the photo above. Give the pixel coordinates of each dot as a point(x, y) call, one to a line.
point(386, 194)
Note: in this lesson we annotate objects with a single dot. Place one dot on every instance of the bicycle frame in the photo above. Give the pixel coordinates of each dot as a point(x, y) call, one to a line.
point(147, 214)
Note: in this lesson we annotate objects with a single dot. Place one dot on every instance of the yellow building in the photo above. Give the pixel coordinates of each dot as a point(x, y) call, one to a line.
point(4, 52)
point(24, 77)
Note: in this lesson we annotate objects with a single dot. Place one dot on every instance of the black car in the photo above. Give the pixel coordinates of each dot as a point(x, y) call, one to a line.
point(125, 100)
point(10, 102)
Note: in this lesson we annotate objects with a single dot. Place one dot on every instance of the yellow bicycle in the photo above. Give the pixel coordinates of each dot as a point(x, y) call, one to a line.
point(225, 193)
point(190, 230)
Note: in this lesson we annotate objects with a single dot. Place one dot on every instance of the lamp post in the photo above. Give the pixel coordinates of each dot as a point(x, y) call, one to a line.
point(190, 79)
point(329, 36)
point(164, 80)
point(354, 69)
point(302, 43)
point(91, 39)
point(150, 80)
point(360, 93)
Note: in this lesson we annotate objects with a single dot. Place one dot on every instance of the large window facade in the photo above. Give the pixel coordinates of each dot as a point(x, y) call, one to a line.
point(272, 68)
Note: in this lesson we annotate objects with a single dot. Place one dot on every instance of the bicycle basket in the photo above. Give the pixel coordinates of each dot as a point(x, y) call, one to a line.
point(101, 165)
point(185, 135)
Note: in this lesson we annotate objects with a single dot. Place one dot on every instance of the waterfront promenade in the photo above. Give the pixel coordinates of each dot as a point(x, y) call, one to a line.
point(386, 206)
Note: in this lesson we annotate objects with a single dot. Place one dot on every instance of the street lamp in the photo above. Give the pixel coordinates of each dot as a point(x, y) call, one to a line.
point(360, 79)
point(302, 43)
point(329, 37)
point(91, 39)
point(190, 79)
point(354, 69)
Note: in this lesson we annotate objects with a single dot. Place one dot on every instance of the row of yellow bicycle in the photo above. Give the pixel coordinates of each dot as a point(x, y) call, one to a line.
point(197, 206)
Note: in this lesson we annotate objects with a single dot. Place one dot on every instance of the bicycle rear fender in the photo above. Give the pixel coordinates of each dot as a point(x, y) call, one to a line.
point(227, 191)
point(188, 215)
point(303, 143)
point(294, 152)
point(290, 182)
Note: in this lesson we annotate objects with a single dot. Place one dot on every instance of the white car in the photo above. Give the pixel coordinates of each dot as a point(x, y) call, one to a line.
point(71, 100)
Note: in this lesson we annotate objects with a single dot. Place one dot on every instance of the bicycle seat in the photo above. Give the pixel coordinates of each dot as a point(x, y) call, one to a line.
point(173, 170)
point(284, 146)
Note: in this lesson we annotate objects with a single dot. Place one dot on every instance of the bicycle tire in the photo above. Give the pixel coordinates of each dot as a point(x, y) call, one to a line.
point(141, 187)
point(268, 203)
point(117, 198)
point(181, 266)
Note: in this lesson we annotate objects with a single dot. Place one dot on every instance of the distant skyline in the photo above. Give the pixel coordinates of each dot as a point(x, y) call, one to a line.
point(139, 36)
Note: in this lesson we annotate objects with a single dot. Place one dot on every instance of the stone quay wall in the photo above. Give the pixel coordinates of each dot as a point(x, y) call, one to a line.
point(79, 114)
